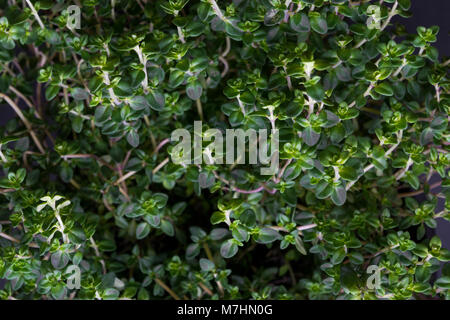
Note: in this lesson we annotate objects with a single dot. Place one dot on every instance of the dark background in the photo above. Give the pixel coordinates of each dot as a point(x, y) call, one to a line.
point(425, 13)
point(428, 13)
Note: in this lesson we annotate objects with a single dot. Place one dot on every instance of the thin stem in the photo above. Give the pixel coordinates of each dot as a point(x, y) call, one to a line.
point(416, 193)
point(272, 118)
point(382, 251)
point(227, 48)
point(159, 166)
point(369, 88)
point(180, 35)
point(141, 5)
point(248, 191)
point(97, 253)
point(205, 288)
point(8, 237)
point(440, 214)
point(289, 6)
point(280, 174)
point(24, 120)
point(217, 10)
point(35, 14)
point(310, 107)
point(370, 166)
point(79, 115)
point(112, 95)
point(113, 12)
point(219, 13)
point(446, 63)
point(288, 79)
point(208, 252)
point(125, 177)
point(400, 68)
point(61, 227)
point(232, 188)
point(12, 239)
point(337, 64)
point(168, 290)
point(123, 187)
point(143, 61)
point(199, 108)
point(26, 100)
point(306, 227)
point(299, 228)
point(337, 176)
point(391, 14)
point(2, 156)
point(370, 110)
point(160, 145)
point(226, 67)
point(75, 184)
point(241, 105)
point(399, 174)
point(385, 24)
point(85, 156)
point(438, 93)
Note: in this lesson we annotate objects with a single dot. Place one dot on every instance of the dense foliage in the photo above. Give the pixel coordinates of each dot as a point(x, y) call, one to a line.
point(361, 106)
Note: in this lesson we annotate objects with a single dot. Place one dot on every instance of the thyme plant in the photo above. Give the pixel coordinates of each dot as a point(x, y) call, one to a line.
point(98, 86)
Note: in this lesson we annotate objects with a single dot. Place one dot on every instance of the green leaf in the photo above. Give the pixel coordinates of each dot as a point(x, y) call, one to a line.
point(299, 244)
point(206, 265)
point(138, 103)
point(176, 77)
point(323, 190)
point(412, 179)
point(315, 91)
point(248, 218)
point(338, 256)
point(58, 291)
point(110, 294)
point(218, 217)
point(160, 200)
point(359, 29)
point(240, 234)
point(59, 259)
point(20, 175)
point(204, 11)
point(299, 22)
point(51, 92)
point(192, 250)
point(194, 90)
point(349, 280)
point(348, 173)
point(339, 195)
point(77, 124)
point(310, 136)
point(228, 249)
point(156, 100)
point(268, 235)
point(233, 32)
point(247, 98)
point(384, 89)
point(426, 136)
point(318, 24)
point(404, 4)
point(133, 138)
point(77, 236)
point(443, 282)
point(142, 230)
point(167, 228)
